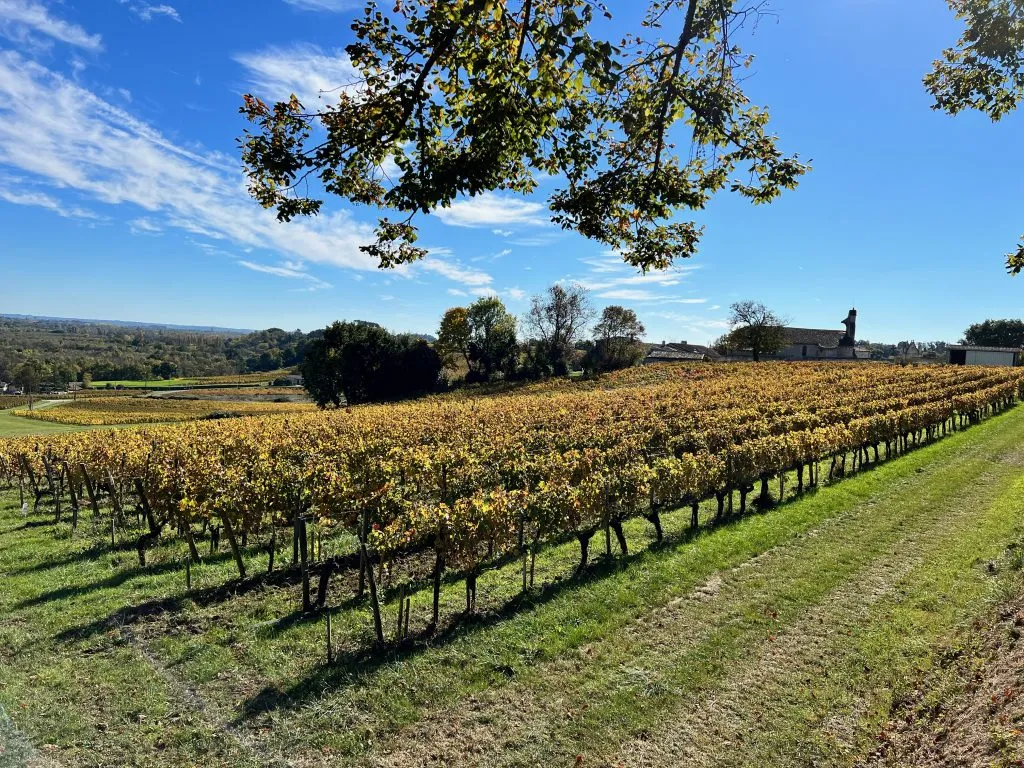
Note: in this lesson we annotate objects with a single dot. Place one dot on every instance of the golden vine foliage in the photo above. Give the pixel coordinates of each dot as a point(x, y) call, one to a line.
point(477, 477)
point(96, 411)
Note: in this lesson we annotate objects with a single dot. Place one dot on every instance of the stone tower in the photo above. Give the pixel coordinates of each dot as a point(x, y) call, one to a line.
point(850, 339)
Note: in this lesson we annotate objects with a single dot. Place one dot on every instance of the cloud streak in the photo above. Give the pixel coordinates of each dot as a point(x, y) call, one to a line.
point(289, 270)
point(147, 12)
point(455, 272)
point(67, 137)
point(306, 70)
point(20, 18)
point(42, 200)
point(490, 209)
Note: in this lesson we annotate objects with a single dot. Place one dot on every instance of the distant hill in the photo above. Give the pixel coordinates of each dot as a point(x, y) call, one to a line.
point(134, 324)
point(69, 348)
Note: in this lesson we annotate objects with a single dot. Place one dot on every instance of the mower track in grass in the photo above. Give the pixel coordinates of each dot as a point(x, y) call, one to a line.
point(775, 664)
point(778, 639)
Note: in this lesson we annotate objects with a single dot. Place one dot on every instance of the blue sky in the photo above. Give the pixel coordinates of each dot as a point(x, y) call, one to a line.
point(121, 194)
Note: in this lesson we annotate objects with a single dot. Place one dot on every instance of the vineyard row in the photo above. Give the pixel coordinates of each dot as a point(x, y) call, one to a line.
point(479, 480)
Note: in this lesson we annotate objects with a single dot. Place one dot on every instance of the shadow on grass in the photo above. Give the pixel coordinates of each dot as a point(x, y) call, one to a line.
point(92, 552)
point(27, 525)
point(201, 597)
point(351, 666)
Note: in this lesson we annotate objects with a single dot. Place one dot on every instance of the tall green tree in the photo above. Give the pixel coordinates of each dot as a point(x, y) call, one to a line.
point(467, 96)
point(361, 362)
point(28, 376)
point(453, 337)
point(557, 320)
point(984, 70)
point(996, 333)
point(618, 340)
point(492, 342)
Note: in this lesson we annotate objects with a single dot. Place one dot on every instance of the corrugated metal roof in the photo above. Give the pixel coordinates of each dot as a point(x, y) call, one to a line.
point(971, 348)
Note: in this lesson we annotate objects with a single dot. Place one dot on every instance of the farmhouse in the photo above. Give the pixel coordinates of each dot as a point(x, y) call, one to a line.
point(965, 354)
point(821, 344)
point(681, 352)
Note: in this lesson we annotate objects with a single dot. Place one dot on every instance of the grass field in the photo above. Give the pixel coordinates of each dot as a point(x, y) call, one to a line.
point(14, 426)
point(191, 381)
point(778, 639)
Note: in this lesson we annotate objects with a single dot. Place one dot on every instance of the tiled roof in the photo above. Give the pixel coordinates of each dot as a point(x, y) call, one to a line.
point(699, 349)
point(822, 338)
point(670, 353)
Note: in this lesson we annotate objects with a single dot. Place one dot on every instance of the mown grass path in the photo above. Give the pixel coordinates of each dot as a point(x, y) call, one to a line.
point(787, 659)
point(779, 639)
point(16, 426)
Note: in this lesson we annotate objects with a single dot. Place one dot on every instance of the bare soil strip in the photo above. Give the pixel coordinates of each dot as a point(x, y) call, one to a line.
point(970, 710)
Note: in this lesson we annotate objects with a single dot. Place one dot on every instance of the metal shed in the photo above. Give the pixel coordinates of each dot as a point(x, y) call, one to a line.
point(965, 354)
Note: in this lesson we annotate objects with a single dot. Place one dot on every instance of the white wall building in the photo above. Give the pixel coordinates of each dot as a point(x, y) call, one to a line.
point(964, 354)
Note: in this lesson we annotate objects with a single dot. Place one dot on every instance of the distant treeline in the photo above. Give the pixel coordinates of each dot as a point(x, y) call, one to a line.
point(67, 351)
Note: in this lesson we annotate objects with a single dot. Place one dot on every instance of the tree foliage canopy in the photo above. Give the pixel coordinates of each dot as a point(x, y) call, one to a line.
point(755, 327)
point(453, 337)
point(618, 339)
point(557, 320)
point(492, 338)
point(361, 362)
point(996, 333)
point(468, 96)
point(984, 70)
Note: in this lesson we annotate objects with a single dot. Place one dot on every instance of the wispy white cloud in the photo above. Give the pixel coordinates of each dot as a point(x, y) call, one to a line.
point(144, 226)
point(691, 322)
point(640, 294)
point(502, 232)
point(629, 295)
point(490, 209)
point(324, 5)
point(65, 136)
point(541, 241)
point(147, 12)
point(485, 290)
point(287, 270)
point(306, 70)
point(20, 19)
point(43, 200)
point(454, 271)
point(614, 279)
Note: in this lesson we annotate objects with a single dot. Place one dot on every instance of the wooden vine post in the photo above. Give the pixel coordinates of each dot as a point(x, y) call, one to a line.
point(74, 499)
point(149, 538)
point(36, 490)
point(53, 488)
point(115, 499)
point(235, 551)
point(300, 538)
point(90, 490)
point(378, 627)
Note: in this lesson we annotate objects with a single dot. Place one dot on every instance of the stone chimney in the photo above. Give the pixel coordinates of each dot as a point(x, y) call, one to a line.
point(850, 339)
